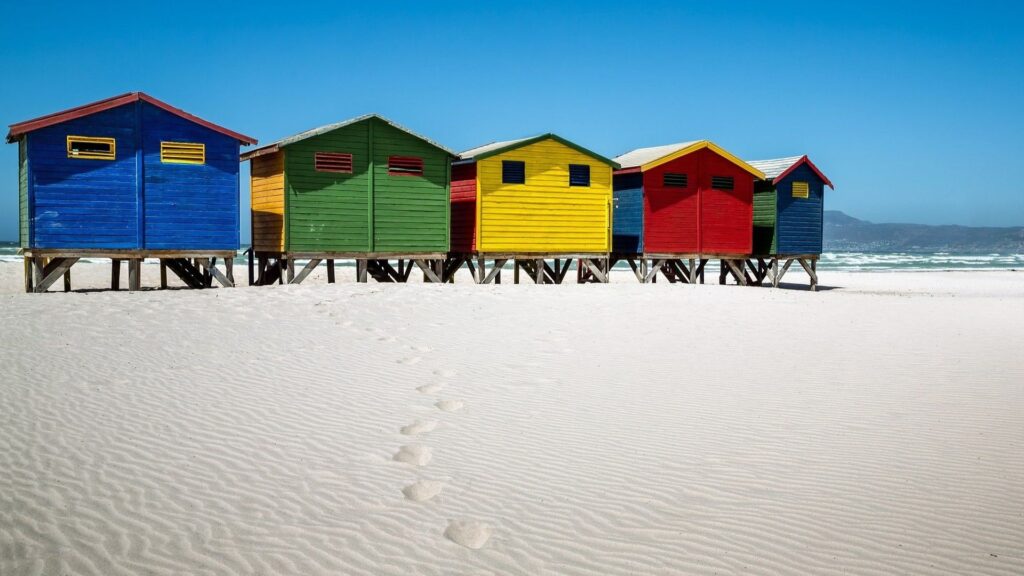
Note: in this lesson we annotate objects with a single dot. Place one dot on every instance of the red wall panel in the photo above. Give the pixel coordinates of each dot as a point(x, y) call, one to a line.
point(698, 218)
point(727, 216)
point(463, 222)
point(671, 215)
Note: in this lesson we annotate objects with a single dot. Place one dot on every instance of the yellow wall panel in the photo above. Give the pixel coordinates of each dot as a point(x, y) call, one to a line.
point(545, 214)
point(267, 186)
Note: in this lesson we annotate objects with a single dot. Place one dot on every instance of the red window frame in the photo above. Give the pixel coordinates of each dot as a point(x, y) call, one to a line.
point(339, 162)
point(405, 166)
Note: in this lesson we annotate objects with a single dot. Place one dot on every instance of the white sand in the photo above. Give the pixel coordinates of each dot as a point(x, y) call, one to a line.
point(874, 428)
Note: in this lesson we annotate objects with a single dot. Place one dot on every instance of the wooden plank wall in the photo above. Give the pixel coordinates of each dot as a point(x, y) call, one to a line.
point(545, 214)
point(799, 220)
point(463, 208)
point(23, 214)
point(764, 217)
point(84, 203)
point(329, 211)
point(267, 189)
point(410, 213)
point(628, 214)
point(188, 206)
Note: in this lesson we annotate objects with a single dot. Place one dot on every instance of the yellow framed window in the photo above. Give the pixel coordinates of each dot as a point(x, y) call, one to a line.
point(801, 190)
point(182, 153)
point(92, 148)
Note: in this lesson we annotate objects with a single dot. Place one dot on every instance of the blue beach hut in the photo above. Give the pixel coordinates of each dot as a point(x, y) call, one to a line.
point(127, 178)
point(788, 211)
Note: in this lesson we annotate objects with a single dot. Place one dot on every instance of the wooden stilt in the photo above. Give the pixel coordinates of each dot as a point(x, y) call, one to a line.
point(67, 280)
point(115, 274)
point(28, 274)
point(306, 271)
point(361, 266)
point(134, 274)
point(330, 271)
point(229, 270)
point(163, 274)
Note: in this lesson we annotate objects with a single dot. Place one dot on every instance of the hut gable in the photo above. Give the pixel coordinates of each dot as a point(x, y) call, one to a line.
point(541, 195)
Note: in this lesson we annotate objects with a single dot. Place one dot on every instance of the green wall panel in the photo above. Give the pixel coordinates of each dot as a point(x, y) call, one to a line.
point(23, 192)
point(764, 220)
point(368, 210)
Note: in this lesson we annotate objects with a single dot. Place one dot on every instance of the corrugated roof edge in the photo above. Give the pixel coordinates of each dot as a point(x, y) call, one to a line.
point(21, 128)
point(802, 160)
point(513, 144)
point(277, 145)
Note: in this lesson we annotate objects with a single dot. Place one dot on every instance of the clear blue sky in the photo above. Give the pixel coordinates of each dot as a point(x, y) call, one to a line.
point(915, 112)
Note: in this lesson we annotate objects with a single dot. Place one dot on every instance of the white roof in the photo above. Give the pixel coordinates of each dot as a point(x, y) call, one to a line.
point(642, 156)
point(774, 167)
point(473, 152)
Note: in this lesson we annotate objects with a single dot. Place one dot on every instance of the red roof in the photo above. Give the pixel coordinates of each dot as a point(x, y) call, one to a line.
point(21, 128)
point(805, 160)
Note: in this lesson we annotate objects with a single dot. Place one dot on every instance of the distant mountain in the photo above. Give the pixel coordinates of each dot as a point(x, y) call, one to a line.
point(844, 233)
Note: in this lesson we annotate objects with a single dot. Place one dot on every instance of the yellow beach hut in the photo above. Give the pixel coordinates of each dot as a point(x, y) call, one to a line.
point(540, 202)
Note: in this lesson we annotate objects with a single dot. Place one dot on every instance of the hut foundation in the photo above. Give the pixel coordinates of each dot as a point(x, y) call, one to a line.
point(536, 268)
point(196, 269)
point(266, 268)
point(773, 267)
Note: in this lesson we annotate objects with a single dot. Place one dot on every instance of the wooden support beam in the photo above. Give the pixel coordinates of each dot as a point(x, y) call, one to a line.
point(134, 274)
point(330, 270)
point(595, 269)
point(306, 271)
point(210, 266)
point(810, 272)
point(538, 271)
point(28, 274)
point(781, 273)
point(67, 280)
point(252, 273)
point(495, 273)
point(429, 274)
point(737, 272)
point(163, 274)
point(693, 271)
point(47, 275)
point(229, 270)
point(115, 274)
point(656, 265)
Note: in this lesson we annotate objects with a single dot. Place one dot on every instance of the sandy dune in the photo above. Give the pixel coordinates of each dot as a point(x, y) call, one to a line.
point(875, 428)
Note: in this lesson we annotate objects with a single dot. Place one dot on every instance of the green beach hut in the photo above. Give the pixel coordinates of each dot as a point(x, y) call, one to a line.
point(366, 189)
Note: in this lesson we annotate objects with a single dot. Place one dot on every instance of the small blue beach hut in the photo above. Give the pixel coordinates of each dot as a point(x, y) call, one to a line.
point(788, 214)
point(127, 178)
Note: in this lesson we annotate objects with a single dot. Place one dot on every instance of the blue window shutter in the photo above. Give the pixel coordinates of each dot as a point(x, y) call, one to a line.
point(579, 175)
point(513, 172)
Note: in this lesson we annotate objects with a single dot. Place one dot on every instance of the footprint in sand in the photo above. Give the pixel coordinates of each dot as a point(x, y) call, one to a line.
point(472, 534)
point(419, 427)
point(387, 339)
point(423, 490)
point(421, 348)
point(415, 455)
point(445, 373)
point(450, 405)
point(410, 361)
point(431, 388)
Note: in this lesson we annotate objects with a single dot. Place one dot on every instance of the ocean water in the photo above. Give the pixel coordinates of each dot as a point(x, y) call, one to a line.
point(842, 261)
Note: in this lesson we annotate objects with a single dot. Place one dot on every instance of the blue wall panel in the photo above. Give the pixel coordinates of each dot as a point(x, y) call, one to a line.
point(80, 203)
point(628, 215)
point(799, 219)
point(188, 206)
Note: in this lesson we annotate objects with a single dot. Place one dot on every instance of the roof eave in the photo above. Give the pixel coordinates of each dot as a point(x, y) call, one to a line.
point(22, 128)
point(700, 145)
point(535, 139)
point(807, 161)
